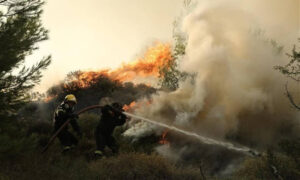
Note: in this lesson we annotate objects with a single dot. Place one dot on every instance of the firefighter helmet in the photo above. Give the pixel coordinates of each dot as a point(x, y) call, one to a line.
point(70, 98)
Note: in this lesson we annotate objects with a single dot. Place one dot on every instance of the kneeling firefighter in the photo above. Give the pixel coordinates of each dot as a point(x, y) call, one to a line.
point(112, 116)
point(64, 112)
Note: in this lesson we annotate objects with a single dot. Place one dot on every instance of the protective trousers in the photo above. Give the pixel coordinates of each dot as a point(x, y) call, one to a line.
point(104, 139)
point(66, 138)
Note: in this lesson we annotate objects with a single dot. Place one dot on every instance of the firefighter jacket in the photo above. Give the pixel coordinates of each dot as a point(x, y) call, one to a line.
point(62, 114)
point(110, 119)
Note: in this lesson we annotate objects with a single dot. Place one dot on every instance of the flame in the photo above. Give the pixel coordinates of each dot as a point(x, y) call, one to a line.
point(130, 106)
point(149, 65)
point(163, 139)
point(133, 105)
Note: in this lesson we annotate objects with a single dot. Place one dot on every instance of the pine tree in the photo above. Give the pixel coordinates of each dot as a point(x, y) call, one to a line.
point(20, 31)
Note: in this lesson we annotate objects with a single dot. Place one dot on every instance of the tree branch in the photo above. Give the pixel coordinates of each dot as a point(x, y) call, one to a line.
point(288, 94)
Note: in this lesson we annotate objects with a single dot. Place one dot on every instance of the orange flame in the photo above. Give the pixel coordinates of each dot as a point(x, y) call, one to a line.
point(148, 66)
point(163, 139)
point(133, 105)
point(130, 106)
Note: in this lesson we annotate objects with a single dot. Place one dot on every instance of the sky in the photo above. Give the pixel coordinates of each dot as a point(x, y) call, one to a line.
point(97, 34)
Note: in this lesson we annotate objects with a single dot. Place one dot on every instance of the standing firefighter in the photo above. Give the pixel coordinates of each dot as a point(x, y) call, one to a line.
point(64, 112)
point(112, 116)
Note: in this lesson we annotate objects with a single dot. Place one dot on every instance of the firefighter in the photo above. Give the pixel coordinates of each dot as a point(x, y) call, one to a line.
point(64, 112)
point(112, 116)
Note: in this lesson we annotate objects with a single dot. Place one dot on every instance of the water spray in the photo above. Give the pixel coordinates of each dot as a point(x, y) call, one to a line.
point(203, 139)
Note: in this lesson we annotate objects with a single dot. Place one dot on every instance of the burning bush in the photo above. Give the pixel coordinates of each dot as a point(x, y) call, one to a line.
point(101, 86)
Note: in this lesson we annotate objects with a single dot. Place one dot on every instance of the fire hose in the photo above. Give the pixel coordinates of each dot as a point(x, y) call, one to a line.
point(66, 123)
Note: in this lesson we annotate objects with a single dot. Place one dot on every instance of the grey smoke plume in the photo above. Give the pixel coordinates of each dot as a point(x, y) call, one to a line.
point(236, 91)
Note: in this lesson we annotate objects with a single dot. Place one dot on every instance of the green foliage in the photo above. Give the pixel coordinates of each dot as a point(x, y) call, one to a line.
point(180, 45)
point(169, 74)
point(292, 69)
point(13, 140)
point(20, 31)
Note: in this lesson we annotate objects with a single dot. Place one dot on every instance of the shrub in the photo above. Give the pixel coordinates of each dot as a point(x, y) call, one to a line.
point(141, 166)
point(13, 141)
point(40, 128)
point(269, 166)
point(88, 123)
point(54, 166)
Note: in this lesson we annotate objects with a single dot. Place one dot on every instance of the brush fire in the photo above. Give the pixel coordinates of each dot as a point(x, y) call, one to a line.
point(231, 102)
point(149, 65)
point(141, 70)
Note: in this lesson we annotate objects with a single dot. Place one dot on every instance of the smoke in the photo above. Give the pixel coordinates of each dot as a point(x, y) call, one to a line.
point(236, 93)
point(171, 153)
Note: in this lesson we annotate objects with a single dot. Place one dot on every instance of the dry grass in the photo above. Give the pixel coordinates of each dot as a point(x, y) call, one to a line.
point(141, 166)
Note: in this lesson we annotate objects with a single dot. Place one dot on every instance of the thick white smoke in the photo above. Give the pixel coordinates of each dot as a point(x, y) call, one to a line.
point(236, 91)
